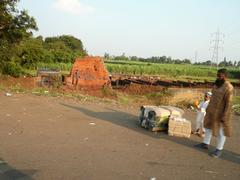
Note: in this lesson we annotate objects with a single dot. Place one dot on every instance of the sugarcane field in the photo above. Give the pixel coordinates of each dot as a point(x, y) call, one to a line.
point(119, 90)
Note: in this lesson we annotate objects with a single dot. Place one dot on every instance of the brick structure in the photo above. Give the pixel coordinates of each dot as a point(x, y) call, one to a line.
point(88, 73)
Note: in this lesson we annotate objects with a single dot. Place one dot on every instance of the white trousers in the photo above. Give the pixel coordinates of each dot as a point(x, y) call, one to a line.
point(200, 120)
point(221, 138)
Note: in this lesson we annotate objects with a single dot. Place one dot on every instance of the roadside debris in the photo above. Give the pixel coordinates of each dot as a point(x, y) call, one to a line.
point(179, 127)
point(192, 108)
point(8, 94)
point(3, 162)
point(59, 116)
point(153, 178)
point(211, 172)
point(165, 118)
point(92, 124)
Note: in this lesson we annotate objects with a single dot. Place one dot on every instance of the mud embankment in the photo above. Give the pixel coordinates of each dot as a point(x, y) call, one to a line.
point(122, 81)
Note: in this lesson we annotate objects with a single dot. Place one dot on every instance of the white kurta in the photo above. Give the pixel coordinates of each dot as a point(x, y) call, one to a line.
point(201, 114)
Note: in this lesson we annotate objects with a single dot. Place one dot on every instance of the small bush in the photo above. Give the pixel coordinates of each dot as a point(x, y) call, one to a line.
point(12, 69)
point(57, 82)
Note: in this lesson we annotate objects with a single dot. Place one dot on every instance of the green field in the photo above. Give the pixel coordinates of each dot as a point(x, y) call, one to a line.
point(168, 71)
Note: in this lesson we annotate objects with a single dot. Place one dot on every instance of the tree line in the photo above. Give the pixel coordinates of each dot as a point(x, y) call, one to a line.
point(169, 60)
point(154, 59)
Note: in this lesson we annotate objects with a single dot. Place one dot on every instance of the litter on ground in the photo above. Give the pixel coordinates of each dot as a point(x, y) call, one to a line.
point(8, 94)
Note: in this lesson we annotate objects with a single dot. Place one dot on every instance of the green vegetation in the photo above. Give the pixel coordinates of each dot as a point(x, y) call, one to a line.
point(236, 105)
point(32, 53)
point(169, 70)
point(15, 26)
point(169, 60)
point(160, 98)
point(183, 72)
point(19, 50)
point(108, 92)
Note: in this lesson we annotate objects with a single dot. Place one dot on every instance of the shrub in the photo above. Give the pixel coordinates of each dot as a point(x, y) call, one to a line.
point(12, 69)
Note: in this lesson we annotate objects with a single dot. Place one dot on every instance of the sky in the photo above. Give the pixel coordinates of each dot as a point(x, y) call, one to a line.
point(144, 28)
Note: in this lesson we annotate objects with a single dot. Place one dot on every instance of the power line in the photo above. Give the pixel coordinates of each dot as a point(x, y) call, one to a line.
point(217, 41)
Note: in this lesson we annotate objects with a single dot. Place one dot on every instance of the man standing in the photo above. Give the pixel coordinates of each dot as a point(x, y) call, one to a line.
point(218, 115)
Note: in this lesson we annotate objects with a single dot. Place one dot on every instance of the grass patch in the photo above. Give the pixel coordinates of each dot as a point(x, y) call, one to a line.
point(236, 104)
point(2, 88)
point(17, 88)
point(108, 92)
point(124, 99)
point(40, 91)
point(160, 98)
point(184, 104)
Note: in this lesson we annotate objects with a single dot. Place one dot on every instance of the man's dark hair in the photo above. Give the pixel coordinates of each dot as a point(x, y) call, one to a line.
point(223, 71)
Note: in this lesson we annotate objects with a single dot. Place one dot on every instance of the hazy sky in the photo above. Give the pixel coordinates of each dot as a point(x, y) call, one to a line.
point(175, 28)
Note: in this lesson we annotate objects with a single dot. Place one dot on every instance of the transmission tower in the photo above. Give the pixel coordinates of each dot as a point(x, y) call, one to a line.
point(217, 41)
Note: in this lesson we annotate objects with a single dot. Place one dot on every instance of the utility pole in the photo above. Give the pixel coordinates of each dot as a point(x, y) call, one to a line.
point(217, 41)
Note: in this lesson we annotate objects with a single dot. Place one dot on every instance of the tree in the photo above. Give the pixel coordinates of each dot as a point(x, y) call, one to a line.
point(235, 63)
point(226, 63)
point(106, 56)
point(31, 51)
point(134, 58)
point(169, 60)
point(238, 64)
point(163, 59)
point(186, 61)
point(122, 57)
point(60, 52)
point(208, 63)
point(69, 42)
point(15, 25)
point(223, 63)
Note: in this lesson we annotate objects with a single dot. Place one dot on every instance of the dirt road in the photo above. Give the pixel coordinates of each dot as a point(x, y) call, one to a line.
point(49, 138)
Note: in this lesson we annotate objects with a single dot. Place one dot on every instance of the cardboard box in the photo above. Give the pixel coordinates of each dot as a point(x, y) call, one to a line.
point(179, 128)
